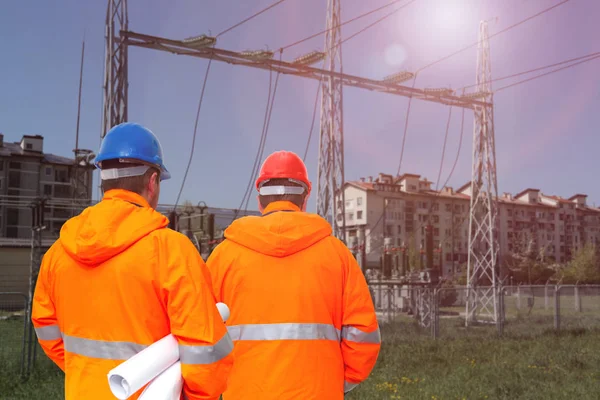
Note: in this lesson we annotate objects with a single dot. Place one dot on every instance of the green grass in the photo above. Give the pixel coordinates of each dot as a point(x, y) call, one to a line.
point(530, 362)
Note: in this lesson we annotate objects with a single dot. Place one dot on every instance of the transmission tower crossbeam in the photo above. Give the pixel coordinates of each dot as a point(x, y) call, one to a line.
point(482, 271)
point(289, 68)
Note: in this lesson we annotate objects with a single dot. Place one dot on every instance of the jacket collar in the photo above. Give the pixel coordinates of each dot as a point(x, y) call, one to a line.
point(280, 206)
point(126, 195)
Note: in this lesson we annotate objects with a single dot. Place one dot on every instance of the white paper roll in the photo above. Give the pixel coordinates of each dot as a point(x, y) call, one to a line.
point(223, 310)
point(166, 386)
point(133, 374)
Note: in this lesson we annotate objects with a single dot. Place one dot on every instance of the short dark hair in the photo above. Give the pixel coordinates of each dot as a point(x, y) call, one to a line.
point(297, 199)
point(135, 184)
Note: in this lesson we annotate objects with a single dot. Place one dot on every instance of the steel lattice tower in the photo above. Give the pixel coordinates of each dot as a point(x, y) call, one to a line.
point(483, 243)
point(115, 68)
point(330, 194)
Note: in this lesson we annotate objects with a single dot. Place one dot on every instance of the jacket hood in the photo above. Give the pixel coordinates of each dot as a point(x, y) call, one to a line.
point(108, 228)
point(282, 230)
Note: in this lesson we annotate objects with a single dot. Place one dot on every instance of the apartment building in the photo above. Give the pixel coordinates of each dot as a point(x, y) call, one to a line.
point(551, 224)
point(26, 173)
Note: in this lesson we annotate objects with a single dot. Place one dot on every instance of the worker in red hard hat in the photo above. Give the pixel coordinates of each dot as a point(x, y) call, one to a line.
point(302, 319)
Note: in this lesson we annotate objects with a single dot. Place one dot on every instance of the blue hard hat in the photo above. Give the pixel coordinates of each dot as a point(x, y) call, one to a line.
point(132, 141)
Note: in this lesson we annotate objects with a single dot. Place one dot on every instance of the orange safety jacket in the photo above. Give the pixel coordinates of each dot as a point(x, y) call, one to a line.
point(302, 319)
point(118, 280)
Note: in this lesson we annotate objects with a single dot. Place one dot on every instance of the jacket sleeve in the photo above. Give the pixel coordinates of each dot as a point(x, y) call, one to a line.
point(361, 339)
point(204, 344)
point(43, 315)
point(217, 266)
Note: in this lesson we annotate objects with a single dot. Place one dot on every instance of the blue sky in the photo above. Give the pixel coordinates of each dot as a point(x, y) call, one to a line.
point(546, 130)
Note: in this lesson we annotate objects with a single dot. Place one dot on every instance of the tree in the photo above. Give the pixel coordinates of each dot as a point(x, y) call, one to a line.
point(583, 268)
point(528, 264)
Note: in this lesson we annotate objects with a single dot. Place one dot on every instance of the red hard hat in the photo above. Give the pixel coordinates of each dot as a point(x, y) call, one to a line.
point(284, 165)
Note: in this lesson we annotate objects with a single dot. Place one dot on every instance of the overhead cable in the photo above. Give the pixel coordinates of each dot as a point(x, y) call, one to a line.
point(250, 17)
point(341, 24)
point(194, 135)
point(493, 35)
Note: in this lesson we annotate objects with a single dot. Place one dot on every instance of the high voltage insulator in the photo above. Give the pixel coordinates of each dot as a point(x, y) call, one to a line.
point(475, 95)
point(200, 42)
point(439, 91)
point(399, 77)
point(257, 55)
point(310, 58)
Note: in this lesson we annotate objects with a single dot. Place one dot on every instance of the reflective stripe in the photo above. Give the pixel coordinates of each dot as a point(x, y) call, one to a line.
point(206, 354)
point(50, 332)
point(288, 331)
point(102, 349)
point(353, 334)
point(348, 386)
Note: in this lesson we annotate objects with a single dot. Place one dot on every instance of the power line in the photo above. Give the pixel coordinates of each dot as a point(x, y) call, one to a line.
point(437, 182)
point(250, 17)
point(194, 135)
point(591, 55)
point(405, 127)
point(266, 132)
point(258, 151)
point(544, 74)
point(341, 24)
point(495, 34)
point(312, 124)
point(462, 124)
point(376, 22)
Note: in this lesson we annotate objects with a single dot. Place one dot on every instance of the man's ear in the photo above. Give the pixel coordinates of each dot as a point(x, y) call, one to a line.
point(304, 204)
point(260, 207)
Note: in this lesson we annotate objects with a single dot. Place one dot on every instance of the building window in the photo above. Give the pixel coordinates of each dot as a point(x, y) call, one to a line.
point(359, 215)
point(0, 183)
point(48, 171)
point(28, 146)
point(359, 201)
point(436, 231)
point(448, 207)
point(388, 230)
point(63, 177)
point(14, 179)
point(47, 190)
point(399, 229)
point(12, 216)
point(350, 216)
point(14, 165)
point(436, 219)
point(12, 232)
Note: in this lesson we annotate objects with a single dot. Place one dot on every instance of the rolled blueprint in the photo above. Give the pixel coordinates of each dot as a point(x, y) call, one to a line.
point(158, 359)
point(129, 377)
point(166, 386)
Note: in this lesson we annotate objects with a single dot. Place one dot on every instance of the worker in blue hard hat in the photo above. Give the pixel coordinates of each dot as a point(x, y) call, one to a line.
point(118, 279)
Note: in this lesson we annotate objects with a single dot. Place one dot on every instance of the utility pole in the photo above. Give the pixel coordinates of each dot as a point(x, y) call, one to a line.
point(115, 67)
point(483, 243)
point(81, 181)
point(330, 194)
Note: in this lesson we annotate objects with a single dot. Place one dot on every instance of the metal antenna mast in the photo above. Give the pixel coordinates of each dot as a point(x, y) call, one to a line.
point(81, 178)
point(115, 68)
point(483, 240)
point(330, 195)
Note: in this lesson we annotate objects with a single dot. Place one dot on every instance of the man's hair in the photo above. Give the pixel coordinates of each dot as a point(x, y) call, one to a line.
point(135, 184)
point(297, 199)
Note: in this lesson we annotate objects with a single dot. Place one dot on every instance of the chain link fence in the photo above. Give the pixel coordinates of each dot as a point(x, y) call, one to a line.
point(13, 332)
point(521, 310)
